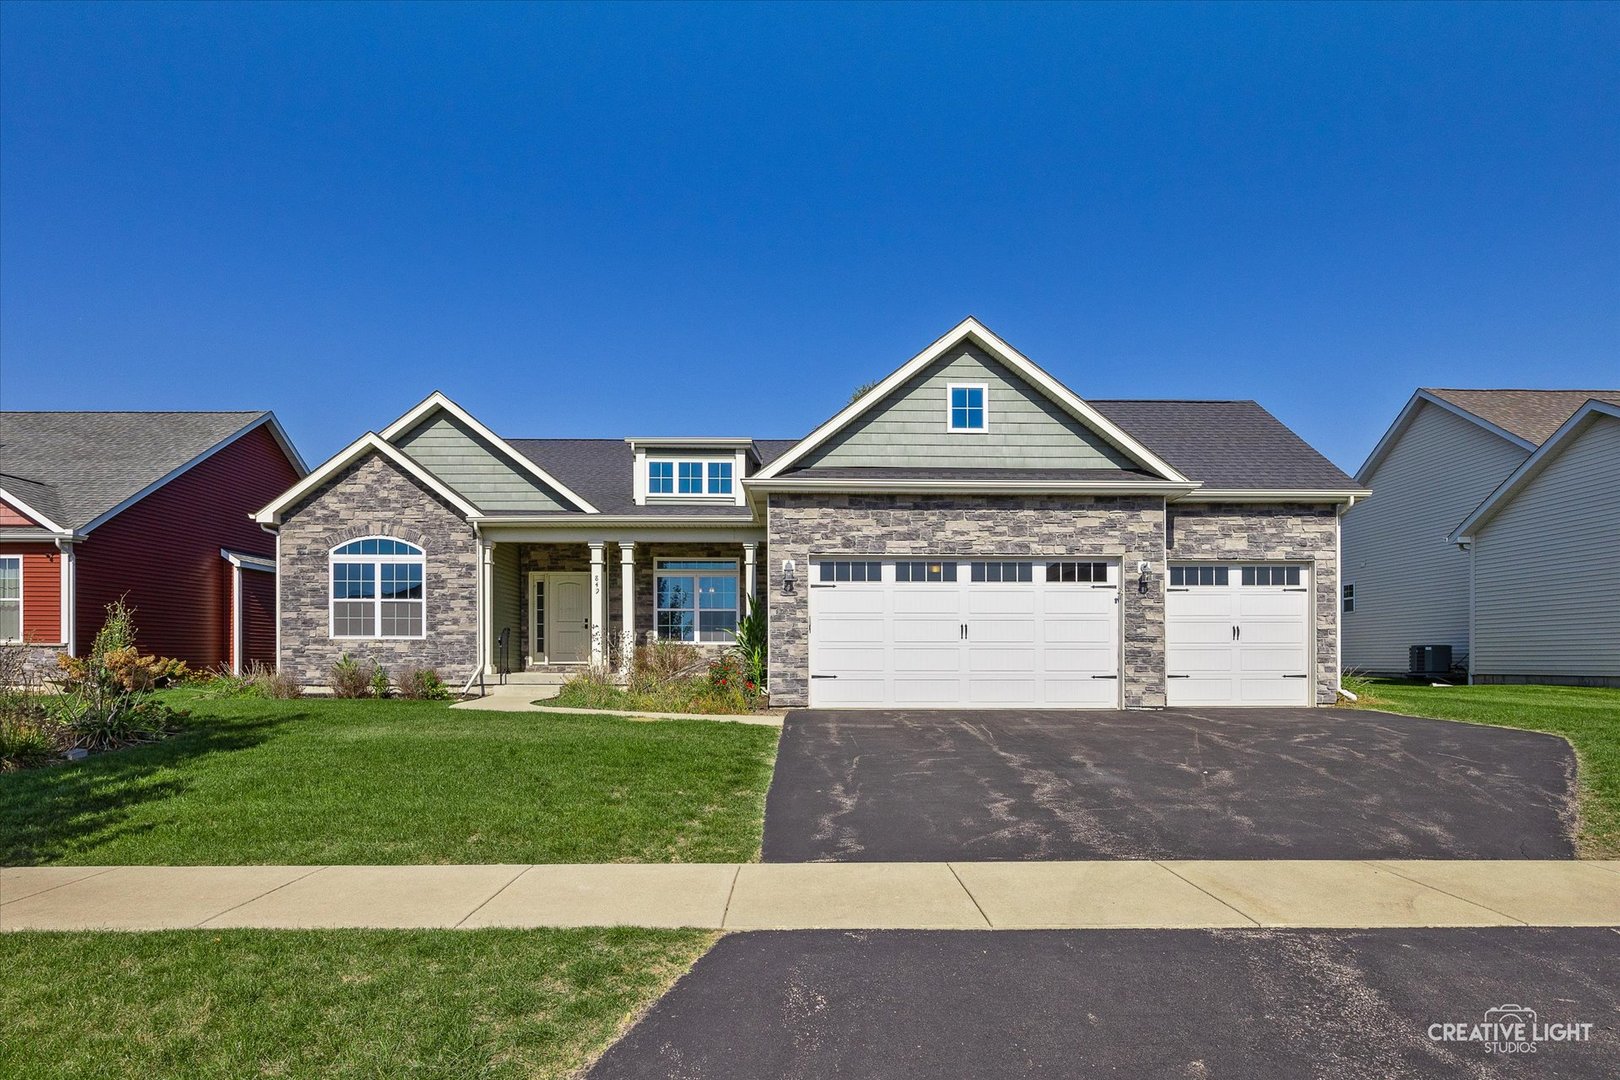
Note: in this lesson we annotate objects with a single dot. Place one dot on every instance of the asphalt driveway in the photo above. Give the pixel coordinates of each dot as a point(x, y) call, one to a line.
point(1177, 784)
point(1281, 1004)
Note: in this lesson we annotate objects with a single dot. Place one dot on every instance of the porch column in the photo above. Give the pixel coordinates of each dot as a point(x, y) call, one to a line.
point(486, 603)
point(598, 603)
point(627, 600)
point(750, 551)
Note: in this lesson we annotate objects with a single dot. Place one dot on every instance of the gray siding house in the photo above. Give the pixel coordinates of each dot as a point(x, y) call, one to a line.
point(969, 533)
point(1406, 580)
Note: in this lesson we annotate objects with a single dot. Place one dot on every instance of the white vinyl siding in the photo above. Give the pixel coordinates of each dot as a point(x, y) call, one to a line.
point(1547, 567)
point(482, 474)
point(909, 429)
point(1411, 585)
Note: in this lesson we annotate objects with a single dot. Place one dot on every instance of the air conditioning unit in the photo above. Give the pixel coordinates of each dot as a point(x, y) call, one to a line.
point(1429, 659)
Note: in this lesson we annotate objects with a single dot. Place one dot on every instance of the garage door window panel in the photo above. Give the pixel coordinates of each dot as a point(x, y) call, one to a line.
point(841, 570)
point(923, 572)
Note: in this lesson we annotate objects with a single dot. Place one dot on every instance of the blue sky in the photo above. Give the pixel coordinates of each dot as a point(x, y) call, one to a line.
point(718, 220)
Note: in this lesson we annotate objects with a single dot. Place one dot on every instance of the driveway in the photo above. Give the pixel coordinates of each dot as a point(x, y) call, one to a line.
point(1177, 784)
point(1282, 1004)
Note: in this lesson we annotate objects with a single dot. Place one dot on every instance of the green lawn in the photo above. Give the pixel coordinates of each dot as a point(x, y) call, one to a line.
point(324, 781)
point(1588, 718)
point(450, 1004)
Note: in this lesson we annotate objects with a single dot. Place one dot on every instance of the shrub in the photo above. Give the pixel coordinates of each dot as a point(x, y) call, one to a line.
point(662, 661)
point(259, 681)
point(106, 700)
point(381, 687)
point(350, 678)
point(28, 736)
point(276, 684)
point(752, 644)
point(592, 688)
point(421, 684)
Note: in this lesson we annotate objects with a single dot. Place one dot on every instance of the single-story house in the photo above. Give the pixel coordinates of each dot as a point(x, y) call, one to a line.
point(1406, 584)
point(968, 533)
point(151, 507)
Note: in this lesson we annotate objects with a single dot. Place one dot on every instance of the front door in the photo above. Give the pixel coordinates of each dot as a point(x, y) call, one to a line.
point(562, 606)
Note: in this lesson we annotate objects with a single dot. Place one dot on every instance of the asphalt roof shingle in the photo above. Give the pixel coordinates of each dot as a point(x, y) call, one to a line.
point(1532, 415)
point(82, 464)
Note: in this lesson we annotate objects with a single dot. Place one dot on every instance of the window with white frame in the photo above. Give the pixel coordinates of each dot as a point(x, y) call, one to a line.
point(1349, 591)
point(11, 598)
point(689, 477)
point(696, 599)
point(969, 407)
point(377, 589)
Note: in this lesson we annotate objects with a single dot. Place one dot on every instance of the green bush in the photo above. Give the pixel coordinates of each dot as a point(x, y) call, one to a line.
point(106, 699)
point(350, 678)
point(381, 686)
point(27, 736)
point(421, 684)
point(752, 643)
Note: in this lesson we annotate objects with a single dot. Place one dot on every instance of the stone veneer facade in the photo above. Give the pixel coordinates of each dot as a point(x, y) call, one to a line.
point(1130, 529)
point(373, 497)
point(1292, 533)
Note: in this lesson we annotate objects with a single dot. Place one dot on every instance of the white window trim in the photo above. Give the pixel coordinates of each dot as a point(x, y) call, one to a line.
point(984, 390)
point(1347, 592)
point(22, 631)
point(333, 558)
point(697, 629)
point(675, 461)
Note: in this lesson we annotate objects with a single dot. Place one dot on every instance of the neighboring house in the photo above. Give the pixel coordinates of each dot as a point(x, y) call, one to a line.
point(1544, 558)
point(151, 507)
point(967, 533)
point(1405, 583)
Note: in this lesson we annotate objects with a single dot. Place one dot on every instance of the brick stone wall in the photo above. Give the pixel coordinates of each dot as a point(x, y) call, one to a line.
point(1130, 529)
point(1245, 531)
point(374, 497)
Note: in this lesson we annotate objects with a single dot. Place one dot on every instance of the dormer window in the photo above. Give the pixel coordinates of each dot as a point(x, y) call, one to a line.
point(694, 478)
point(968, 408)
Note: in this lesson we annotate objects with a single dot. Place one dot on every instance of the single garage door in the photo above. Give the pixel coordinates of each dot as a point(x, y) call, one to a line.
point(1238, 634)
point(976, 633)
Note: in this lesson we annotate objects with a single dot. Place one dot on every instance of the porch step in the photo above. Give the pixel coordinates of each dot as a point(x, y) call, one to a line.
point(534, 678)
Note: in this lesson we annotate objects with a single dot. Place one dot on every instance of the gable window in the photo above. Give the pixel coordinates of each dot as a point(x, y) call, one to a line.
point(968, 407)
point(1349, 592)
point(377, 589)
point(696, 599)
point(673, 477)
point(11, 598)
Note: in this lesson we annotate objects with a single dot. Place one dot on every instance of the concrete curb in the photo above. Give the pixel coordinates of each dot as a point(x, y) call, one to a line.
point(1169, 894)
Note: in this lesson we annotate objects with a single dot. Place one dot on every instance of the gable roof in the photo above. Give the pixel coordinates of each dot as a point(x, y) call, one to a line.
point(1525, 418)
point(1228, 445)
point(74, 470)
point(1532, 415)
point(365, 445)
point(1532, 466)
point(970, 329)
point(437, 401)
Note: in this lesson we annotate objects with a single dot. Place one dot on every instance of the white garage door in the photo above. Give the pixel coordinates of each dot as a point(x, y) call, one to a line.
point(1238, 634)
point(978, 633)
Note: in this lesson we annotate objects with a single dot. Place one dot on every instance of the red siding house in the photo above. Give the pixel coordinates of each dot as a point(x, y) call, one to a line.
point(150, 507)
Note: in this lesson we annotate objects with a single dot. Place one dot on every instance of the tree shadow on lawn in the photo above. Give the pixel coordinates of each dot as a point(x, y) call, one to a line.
point(50, 813)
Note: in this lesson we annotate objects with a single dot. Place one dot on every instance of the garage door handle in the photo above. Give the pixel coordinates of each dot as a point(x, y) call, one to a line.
point(824, 676)
point(1167, 676)
point(1297, 588)
point(1296, 676)
point(824, 586)
point(1178, 590)
point(1105, 676)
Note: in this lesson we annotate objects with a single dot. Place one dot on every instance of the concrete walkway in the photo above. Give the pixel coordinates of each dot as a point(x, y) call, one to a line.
point(523, 699)
point(804, 896)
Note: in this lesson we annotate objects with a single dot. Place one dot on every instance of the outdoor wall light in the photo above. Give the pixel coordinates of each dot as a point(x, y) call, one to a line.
point(789, 572)
point(1143, 569)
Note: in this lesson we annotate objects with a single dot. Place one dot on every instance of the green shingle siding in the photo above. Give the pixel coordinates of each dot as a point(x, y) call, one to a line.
point(475, 469)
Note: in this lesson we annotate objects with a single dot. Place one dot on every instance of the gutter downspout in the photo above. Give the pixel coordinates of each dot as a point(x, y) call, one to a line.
point(1338, 620)
point(478, 660)
point(276, 532)
point(69, 599)
point(1472, 547)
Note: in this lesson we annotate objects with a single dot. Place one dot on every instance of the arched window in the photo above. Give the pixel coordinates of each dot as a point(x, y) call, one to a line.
point(377, 589)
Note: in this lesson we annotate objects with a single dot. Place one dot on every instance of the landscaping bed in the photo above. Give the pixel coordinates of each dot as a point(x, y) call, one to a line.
point(435, 1005)
point(323, 781)
point(1588, 717)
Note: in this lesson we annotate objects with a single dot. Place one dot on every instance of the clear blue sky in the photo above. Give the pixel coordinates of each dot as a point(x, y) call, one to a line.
point(718, 220)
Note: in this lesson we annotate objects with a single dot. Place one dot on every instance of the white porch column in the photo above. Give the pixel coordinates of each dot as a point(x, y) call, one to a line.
point(627, 601)
point(486, 603)
point(69, 601)
point(598, 602)
point(750, 552)
point(236, 618)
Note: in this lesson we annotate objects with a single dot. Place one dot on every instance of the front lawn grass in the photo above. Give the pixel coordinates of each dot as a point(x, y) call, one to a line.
point(324, 781)
point(226, 1004)
point(1588, 717)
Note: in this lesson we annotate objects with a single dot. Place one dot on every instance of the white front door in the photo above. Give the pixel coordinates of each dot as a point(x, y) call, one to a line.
point(1238, 634)
point(564, 610)
point(958, 633)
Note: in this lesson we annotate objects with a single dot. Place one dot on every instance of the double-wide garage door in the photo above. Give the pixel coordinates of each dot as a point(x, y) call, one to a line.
point(1238, 634)
point(964, 633)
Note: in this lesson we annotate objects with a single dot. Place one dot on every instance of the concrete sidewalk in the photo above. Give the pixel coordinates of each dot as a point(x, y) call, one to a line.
point(805, 896)
point(525, 699)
